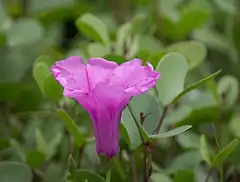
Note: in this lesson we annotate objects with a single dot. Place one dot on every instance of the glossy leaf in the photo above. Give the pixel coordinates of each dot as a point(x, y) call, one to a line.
point(93, 27)
point(194, 51)
point(89, 176)
point(204, 150)
point(173, 68)
point(15, 172)
point(195, 85)
point(171, 133)
point(225, 153)
point(228, 89)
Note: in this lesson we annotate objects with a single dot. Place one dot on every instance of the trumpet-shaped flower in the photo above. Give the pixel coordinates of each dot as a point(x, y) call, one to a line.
point(104, 88)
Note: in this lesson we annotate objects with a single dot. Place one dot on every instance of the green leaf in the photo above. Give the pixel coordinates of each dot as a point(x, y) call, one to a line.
point(97, 50)
point(204, 150)
point(194, 51)
point(157, 177)
point(189, 140)
point(227, 6)
point(195, 85)
point(123, 34)
point(147, 105)
point(115, 58)
point(93, 27)
point(24, 31)
point(72, 127)
point(171, 133)
point(184, 176)
point(4, 144)
point(89, 176)
point(42, 145)
point(16, 146)
point(185, 161)
point(225, 153)
point(15, 172)
point(52, 89)
point(173, 68)
point(35, 158)
point(228, 89)
point(235, 124)
point(40, 74)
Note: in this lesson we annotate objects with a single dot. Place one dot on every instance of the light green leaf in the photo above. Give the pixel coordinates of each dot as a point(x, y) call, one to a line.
point(173, 68)
point(227, 6)
point(72, 127)
point(35, 158)
point(42, 145)
point(204, 150)
point(16, 146)
point(194, 51)
point(225, 153)
point(171, 133)
point(40, 74)
point(228, 89)
point(52, 88)
point(148, 105)
point(195, 85)
point(24, 31)
point(97, 50)
point(93, 27)
point(189, 140)
point(235, 124)
point(123, 33)
point(15, 172)
point(157, 177)
point(89, 176)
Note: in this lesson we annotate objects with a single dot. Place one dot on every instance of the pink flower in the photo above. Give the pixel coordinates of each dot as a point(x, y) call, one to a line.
point(104, 88)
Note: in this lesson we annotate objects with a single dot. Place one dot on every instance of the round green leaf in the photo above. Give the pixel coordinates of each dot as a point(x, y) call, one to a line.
point(15, 172)
point(35, 158)
point(194, 51)
point(173, 68)
point(93, 27)
point(235, 125)
point(89, 176)
point(157, 177)
point(25, 31)
point(184, 176)
point(189, 140)
point(228, 88)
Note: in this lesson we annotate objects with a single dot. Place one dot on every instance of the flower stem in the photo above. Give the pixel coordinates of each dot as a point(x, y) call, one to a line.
point(109, 173)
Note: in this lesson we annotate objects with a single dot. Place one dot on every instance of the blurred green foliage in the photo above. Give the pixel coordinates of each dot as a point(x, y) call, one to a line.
point(45, 137)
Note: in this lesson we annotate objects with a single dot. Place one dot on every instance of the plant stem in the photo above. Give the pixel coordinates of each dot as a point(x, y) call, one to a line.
point(109, 173)
point(145, 170)
point(218, 146)
point(135, 120)
point(208, 175)
point(80, 155)
point(161, 120)
point(133, 168)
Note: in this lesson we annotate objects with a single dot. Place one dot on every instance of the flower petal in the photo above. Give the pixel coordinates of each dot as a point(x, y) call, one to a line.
point(134, 78)
point(99, 70)
point(71, 74)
